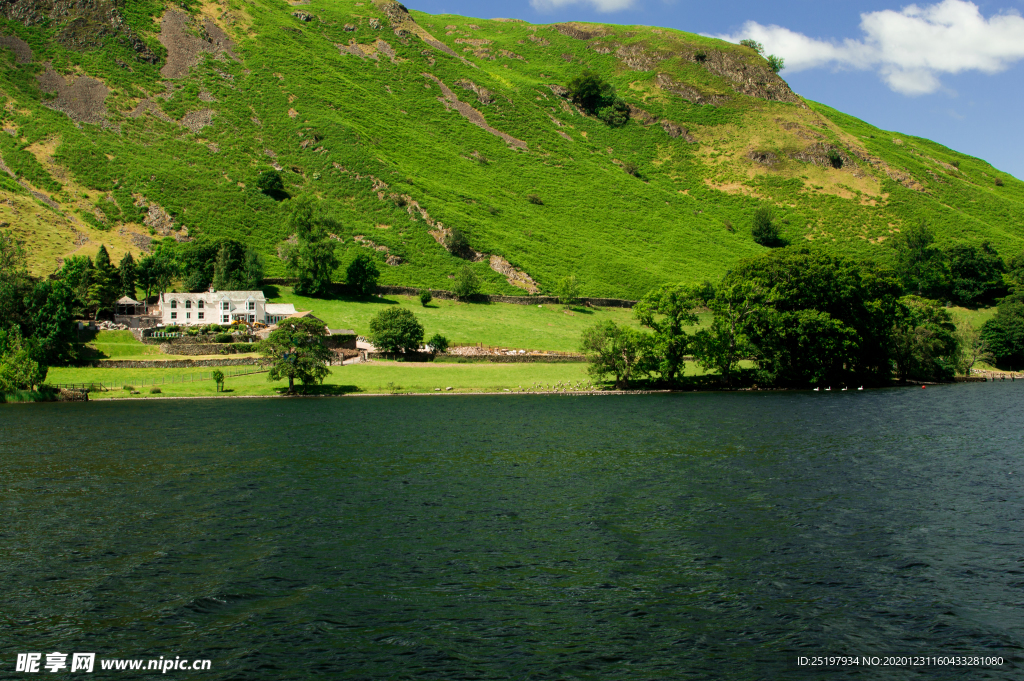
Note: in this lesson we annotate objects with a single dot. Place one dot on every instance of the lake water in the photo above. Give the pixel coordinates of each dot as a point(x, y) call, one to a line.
point(687, 536)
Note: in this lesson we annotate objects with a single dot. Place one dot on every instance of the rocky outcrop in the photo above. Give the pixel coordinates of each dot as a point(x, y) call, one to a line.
point(451, 101)
point(749, 78)
point(86, 24)
point(81, 98)
point(515, 277)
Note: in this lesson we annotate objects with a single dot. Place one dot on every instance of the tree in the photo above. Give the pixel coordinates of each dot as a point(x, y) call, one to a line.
point(105, 284)
point(970, 348)
point(620, 351)
point(18, 369)
point(298, 352)
point(362, 274)
point(438, 344)
point(597, 97)
point(668, 311)
point(76, 273)
point(763, 229)
point(218, 378)
point(251, 276)
point(724, 343)
point(776, 64)
point(569, 290)
point(270, 183)
point(395, 329)
point(425, 297)
point(127, 275)
point(975, 274)
point(920, 265)
point(924, 341)
point(313, 260)
point(456, 243)
point(15, 282)
point(1004, 333)
point(467, 284)
point(51, 314)
point(1015, 270)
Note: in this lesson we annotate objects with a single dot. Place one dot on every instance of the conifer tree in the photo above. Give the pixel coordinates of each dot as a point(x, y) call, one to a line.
point(127, 273)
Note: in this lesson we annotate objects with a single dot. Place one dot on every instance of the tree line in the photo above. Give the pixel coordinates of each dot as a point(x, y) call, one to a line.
point(797, 317)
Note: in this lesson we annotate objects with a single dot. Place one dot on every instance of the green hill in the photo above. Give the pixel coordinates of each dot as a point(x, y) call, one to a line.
point(139, 120)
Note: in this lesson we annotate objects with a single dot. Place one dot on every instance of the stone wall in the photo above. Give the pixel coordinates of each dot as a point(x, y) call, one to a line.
point(66, 395)
point(173, 363)
point(496, 359)
point(203, 348)
point(342, 289)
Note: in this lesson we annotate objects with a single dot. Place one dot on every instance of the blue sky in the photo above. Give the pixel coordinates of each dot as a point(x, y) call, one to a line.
point(948, 70)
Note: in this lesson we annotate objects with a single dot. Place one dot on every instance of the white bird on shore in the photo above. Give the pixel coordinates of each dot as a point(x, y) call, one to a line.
point(844, 389)
point(828, 389)
point(860, 388)
point(817, 389)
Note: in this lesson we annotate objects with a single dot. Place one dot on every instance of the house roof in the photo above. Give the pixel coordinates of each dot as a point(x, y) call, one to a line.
point(128, 301)
point(280, 309)
point(217, 296)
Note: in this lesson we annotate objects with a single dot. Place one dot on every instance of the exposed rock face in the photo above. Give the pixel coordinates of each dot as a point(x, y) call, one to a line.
point(83, 99)
point(21, 49)
point(451, 101)
point(515, 277)
point(687, 92)
point(755, 80)
point(482, 93)
point(184, 49)
point(86, 24)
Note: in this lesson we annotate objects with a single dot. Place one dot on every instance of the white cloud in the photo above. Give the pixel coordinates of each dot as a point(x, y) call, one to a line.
point(599, 5)
point(910, 48)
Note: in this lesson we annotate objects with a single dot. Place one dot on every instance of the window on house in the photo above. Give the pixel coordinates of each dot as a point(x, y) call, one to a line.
point(174, 315)
point(188, 304)
point(200, 315)
point(226, 319)
point(174, 304)
point(252, 305)
point(200, 306)
point(252, 318)
point(224, 306)
point(188, 315)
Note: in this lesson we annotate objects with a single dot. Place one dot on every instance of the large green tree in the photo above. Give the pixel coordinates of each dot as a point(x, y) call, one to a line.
point(924, 341)
point(395, 329)
point(622, 352)
point(18, 368)
point(126, 274)
point(1003, 334)
point(920, 264)
point(668, 311)
point(722, 344)
point(975, 274)
point(104, 286)
point(313, 259)
point(298, 352)
point(362, 274)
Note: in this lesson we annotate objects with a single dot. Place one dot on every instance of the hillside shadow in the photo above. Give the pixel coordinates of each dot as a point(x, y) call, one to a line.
point(271, 291)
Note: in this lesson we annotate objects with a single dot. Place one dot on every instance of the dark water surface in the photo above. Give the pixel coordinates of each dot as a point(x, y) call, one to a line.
point(691, 536)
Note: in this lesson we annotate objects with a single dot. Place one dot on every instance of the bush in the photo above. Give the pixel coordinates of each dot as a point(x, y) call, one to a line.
point(456, 243)
point(835, 159)
point(438, 343)
point(395, 329)
point(223, 338)
point(270, 183)
point(776, 64)
point(569, 290)
point(534, 199)
point(631, 168)
point(466, 283)
point(753, 44)
point(362, 275)
point(155, 390)
point(128, 387)
point(764, 230)
point(700, 56)
point(999, 182)
point(425, 297)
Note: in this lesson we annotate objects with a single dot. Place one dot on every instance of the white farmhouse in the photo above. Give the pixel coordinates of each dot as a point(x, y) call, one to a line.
point(220, 307)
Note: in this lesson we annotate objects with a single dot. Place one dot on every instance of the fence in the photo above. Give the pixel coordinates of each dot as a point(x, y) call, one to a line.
point(193, 377)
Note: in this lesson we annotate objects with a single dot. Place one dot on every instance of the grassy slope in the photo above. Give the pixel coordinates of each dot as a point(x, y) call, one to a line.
point(362, 120)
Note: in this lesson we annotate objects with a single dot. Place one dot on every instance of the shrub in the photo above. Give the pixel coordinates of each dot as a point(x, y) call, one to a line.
point(218, 378)
point(270, 183)
point(999, 182)
point(362, 275)
point(728, 226)
point(700, 56)
point(534, 199)
point(764, 230)
point(835, 158)
point(466, 283)
point(128, 387)
point(395, 329)
point(569, 290)
point(631, 168)
point(223, 338)
point(597, 97)
point(438, 343)
point(213, 328)
point(753, 44)
point(155, 390)
point(425, 297)
point(776, 64)
point(456, 243)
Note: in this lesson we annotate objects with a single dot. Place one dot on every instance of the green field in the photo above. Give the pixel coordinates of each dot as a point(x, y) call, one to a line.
point(519, 327)
point(375, 137)
point(122, 345)
point(383, 377)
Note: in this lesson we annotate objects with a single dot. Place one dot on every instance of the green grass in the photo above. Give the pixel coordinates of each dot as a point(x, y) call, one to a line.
point(384, 377)
point(117, 345)
point(976, 318)
point(361, 122)
point(520, 327)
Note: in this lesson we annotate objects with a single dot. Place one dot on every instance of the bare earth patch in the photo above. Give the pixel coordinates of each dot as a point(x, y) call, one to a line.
point(83, 99)
point(21, 49)
point(451, 101)
point(515, 277)
point(184, 50)
point(197, 120)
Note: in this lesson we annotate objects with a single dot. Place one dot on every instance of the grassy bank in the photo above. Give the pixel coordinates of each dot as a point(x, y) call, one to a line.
point(122, 345)
point(383, 377)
